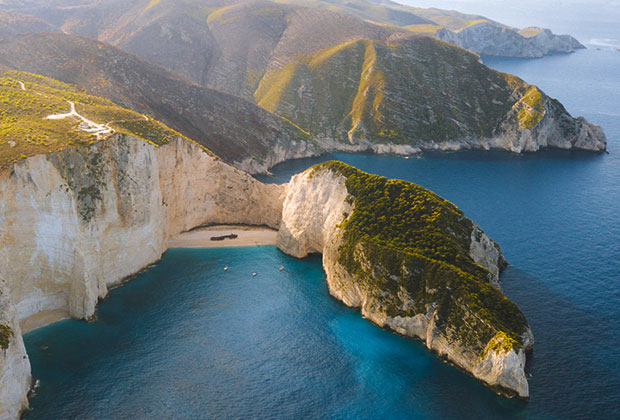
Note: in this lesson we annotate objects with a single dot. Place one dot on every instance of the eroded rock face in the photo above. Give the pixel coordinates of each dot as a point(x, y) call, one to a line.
point(75, 222)
point(485, 252)
point(316, 207)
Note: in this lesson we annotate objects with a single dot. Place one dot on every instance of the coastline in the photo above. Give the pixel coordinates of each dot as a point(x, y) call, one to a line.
point(246, 236)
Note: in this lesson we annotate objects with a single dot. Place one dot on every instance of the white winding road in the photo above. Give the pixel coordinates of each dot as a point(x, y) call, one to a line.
point(88, 126)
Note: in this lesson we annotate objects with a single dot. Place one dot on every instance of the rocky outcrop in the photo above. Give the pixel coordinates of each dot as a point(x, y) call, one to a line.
point(492, 39)
point(76, 222)
point(280, 151)
point(404, 290)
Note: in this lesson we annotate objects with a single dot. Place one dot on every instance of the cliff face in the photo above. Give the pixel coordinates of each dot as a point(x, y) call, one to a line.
point(86, 218)
point(492, 39)
point(14, 363)
point(75, 222)
point(438, 296)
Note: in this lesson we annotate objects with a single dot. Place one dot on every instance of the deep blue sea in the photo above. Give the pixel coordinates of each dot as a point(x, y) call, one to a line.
point(187, 340)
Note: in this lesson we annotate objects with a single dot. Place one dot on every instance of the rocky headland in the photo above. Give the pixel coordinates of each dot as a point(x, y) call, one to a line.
point(413, 263)
point(80, 213)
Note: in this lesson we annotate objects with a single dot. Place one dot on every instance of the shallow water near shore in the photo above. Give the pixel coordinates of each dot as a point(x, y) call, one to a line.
point(187, 340)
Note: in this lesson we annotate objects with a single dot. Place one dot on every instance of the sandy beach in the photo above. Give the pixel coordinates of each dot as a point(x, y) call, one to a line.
point(42, 319)
point(246, 236)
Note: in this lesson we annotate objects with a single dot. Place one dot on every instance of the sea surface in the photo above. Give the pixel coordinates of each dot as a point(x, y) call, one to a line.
point(188, 340)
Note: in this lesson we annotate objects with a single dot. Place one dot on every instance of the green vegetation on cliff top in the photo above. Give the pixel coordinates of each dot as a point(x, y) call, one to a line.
point(401, 235)
point(25, 131)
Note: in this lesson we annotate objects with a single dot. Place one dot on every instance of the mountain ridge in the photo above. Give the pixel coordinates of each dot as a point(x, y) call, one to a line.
point(239, 132)
point(417, 94)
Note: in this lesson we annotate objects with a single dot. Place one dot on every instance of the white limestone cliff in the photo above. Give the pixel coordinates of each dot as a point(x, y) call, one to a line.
point(76, 222)
point(316, 204)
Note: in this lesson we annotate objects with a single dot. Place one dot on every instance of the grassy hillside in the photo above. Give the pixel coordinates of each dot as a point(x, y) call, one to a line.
point(25, 131)
point(380, 13)
point(256, 37)
point(408, 92)
point(416, 19)
point(232, 128)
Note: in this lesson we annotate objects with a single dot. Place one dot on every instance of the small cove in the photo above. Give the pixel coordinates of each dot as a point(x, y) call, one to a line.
point(186, 340)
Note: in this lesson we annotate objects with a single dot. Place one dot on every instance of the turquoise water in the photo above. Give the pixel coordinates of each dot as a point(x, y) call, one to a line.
point(188, 340)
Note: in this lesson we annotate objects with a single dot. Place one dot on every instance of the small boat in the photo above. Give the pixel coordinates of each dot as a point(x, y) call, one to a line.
point(226, 268)
point(281, 268)
point(254, 273)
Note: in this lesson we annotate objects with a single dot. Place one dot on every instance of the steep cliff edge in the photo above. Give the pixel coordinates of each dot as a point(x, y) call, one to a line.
point(413, 263)
point(75, 222)
point(238, 131)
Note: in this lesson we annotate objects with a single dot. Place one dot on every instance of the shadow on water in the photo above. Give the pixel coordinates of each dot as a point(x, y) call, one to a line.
point(278, 343)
